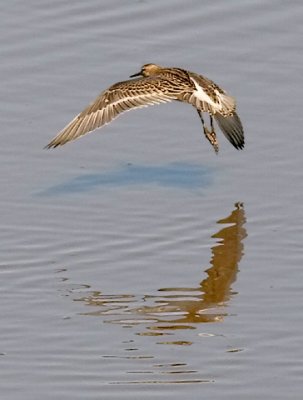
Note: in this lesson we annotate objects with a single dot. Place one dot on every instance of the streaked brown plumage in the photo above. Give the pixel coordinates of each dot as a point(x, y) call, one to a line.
point(159, 85)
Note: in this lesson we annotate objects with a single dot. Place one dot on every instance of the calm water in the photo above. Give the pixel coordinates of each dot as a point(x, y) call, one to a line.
point(135, 263)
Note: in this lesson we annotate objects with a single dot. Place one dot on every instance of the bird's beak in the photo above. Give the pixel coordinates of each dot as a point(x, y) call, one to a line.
point(137, 74)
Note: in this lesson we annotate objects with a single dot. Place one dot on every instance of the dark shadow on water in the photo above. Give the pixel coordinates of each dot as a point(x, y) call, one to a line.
point(174, 175)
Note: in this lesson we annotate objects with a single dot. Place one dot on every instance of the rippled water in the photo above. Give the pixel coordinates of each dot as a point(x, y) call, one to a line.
point(135, 262)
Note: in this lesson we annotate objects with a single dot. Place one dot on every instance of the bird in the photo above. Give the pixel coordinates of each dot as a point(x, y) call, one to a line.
point(155, 84)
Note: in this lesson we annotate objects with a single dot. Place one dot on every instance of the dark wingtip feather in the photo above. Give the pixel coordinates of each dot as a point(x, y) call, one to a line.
point(50, 145)
point(232, 128)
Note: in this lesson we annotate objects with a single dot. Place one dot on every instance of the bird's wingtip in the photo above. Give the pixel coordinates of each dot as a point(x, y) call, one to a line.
point(50, 146)
point(232, 128)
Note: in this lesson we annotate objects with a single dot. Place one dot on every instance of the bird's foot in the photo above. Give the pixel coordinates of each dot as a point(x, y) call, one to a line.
point(212, 138)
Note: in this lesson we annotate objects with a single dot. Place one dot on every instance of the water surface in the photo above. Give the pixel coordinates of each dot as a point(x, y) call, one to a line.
point(135, 262)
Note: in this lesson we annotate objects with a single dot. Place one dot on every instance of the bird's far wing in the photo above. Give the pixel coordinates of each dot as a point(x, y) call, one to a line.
point(120, 97)
point(232, 128)
point(209, 97)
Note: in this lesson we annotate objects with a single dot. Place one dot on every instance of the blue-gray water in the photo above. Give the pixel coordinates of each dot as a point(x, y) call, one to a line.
point(135, 263)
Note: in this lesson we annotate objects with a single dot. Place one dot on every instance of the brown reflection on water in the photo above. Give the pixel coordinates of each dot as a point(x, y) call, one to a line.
point(171, 316)
point(180, 308)
point(209, 298)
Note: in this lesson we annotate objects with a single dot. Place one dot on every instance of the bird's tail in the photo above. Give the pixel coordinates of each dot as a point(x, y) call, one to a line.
point(232, 128)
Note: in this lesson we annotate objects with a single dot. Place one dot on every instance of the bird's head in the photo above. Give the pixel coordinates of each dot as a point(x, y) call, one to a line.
point(148, 70)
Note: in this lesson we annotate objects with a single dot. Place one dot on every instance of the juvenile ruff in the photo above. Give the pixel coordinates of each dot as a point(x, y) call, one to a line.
point(160, 85)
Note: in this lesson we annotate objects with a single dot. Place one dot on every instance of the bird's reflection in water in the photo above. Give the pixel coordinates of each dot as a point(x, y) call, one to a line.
point(182, 308)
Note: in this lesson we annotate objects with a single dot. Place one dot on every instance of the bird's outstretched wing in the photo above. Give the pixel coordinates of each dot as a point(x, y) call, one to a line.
point(122, 96)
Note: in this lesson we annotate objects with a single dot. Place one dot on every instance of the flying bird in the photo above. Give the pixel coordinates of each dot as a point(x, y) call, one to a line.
point(154, 85)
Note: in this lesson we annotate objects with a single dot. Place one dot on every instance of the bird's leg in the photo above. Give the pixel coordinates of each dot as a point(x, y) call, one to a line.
point(210, 135)
point(213, 135)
